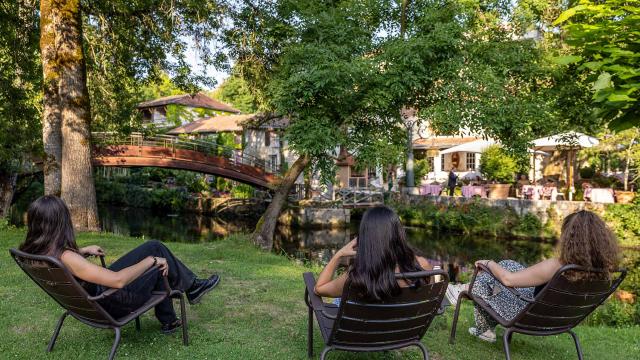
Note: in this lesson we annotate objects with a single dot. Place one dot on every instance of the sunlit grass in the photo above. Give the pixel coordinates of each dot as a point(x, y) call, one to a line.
point(257, 312)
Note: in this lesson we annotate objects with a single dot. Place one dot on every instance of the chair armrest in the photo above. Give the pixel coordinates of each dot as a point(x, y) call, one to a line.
point(102, 262)
point(111, 291)
point(511, 289)
point(313, 300)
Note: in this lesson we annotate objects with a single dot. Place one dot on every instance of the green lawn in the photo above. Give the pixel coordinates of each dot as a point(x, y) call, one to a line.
point(257, 312)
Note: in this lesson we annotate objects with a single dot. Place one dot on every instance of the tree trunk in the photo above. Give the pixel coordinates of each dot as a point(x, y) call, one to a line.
point(265, 229)
point(627, 164)
point(51, 116)
point(7, 189)
point(77, 186)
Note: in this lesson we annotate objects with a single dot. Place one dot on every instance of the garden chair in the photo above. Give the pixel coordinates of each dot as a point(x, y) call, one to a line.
point(57, 281)
point(358, 325)
point(559, 307)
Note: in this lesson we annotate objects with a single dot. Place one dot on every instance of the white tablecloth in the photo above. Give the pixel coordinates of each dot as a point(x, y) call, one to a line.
point(599, 195)
point(471, 191)
point(536, 192)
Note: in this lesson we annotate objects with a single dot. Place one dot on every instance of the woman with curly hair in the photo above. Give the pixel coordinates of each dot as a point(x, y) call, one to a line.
point(585, 240)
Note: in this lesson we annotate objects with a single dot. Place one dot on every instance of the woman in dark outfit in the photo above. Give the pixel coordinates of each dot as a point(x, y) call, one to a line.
point(50, 232)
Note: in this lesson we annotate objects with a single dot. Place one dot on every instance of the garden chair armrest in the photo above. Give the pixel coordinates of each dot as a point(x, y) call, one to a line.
point(111, 291)
point(313, 300)
point(511, 289)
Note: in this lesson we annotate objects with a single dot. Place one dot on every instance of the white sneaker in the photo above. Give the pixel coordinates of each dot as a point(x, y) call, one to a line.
point(453, 292)
point(488, 336)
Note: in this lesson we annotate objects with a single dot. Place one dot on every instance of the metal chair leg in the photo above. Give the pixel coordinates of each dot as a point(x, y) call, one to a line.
point(425, 352)
point(56, 332)
point(183, 317)
point(578, 348)
point(325, 351)
point(310, 333)
point(456, 314)
point(138, 324)
point(506, 340)
point(116, 342)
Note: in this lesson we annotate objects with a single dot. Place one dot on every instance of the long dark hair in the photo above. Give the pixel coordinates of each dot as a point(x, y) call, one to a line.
point(382, 246)
point(586, 240)
point(50, 231)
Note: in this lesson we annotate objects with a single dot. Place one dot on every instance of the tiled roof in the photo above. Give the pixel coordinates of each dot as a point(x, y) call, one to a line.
point(198, 100)
point(441, 142)
point(213, 124)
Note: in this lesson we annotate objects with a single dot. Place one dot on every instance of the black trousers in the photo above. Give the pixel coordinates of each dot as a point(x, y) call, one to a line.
point(452, 190)
point(136, 293)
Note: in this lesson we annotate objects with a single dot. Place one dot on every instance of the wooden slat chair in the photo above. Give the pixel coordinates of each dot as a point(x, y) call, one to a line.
point(57, 281)
point(358, 325)
point(559, 307)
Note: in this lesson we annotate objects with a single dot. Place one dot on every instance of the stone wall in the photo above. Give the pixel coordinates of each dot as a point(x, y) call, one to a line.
point(316, 217)
point(543, 209)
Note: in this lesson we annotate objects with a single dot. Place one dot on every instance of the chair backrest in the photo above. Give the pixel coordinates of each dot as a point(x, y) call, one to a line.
point(57, 281)
point(563, 303)
point(402, 319)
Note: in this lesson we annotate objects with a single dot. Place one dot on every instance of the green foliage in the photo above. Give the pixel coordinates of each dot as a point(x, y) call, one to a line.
point(497, 165)
point(615, 313)
point(421, 169)
point(605, 35)
point(235, 91)
point(20, 84)
point(625, 222)
point(242, 191)
point(469, 218)
point(587, 172)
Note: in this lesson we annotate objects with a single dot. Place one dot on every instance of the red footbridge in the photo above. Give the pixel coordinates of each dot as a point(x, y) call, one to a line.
point(138, 150)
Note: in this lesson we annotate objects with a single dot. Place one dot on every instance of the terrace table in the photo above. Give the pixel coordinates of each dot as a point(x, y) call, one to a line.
point(599, 195)
point(533, 192)
point(430, 189)
point(469, 191)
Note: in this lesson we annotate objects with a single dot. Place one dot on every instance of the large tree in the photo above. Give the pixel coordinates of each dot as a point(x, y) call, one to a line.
point(96, 55)
point(341, 69)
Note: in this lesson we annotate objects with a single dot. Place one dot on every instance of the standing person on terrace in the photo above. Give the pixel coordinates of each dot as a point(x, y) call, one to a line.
point(452, 182)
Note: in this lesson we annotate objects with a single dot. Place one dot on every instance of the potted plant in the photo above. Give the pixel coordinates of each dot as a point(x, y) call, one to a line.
point(499, 168)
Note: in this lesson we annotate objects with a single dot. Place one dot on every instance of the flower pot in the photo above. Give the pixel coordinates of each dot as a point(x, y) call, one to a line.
point(498, 191)
point(625, 197)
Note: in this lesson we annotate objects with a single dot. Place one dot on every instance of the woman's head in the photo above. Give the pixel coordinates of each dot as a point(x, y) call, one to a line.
point(381, 247)
point(587, 241)
point(50, 230)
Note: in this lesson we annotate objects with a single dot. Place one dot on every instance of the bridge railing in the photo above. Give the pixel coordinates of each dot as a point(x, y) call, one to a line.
point(235, 156)
point(359, 197)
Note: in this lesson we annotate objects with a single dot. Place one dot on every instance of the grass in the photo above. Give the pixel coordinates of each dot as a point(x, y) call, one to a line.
point(257, 312)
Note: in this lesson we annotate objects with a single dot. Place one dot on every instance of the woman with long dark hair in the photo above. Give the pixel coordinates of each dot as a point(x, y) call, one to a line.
point(50, 232)
point(585, 240)
point(380, 251)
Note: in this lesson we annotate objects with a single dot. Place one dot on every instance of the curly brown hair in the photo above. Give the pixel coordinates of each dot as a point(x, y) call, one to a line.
point(586, 240)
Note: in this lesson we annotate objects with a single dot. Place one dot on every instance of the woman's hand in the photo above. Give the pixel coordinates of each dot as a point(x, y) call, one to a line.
point(482, 262)
point(162, 265)
point(93, 250)
point(349, 249)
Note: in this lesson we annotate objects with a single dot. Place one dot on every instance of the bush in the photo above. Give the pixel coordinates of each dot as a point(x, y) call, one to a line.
point(587, 172)
point(242, 191)
point(615, 313)
point(625, 222)
point(420, 170)
point(497, 165)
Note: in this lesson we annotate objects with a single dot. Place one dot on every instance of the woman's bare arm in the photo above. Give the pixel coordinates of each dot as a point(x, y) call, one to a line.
point(326, 284)
point(535, 275)
point(87, 271)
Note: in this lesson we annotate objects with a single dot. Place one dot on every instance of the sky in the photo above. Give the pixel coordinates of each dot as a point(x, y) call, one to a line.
point(197, 67)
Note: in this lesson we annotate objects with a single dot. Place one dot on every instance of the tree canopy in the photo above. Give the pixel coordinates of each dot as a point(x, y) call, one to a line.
point(605, 37)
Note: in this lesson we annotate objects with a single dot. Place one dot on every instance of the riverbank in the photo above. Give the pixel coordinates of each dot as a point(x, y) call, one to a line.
point(257, 312)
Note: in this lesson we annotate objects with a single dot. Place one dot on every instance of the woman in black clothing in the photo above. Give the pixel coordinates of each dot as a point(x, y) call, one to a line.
point(50, 232)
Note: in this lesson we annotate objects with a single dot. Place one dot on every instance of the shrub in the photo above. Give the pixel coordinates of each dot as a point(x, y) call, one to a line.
point(420, 170)
point(625, 222)
point(496, 164)
point(615, 313)
point(587, 172)
point(242, 191)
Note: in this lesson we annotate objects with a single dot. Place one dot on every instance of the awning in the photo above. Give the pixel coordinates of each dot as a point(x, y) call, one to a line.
point(476, 146)
point(566, 140)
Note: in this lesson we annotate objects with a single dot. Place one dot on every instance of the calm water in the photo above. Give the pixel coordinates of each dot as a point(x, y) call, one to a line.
point(451, 251)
